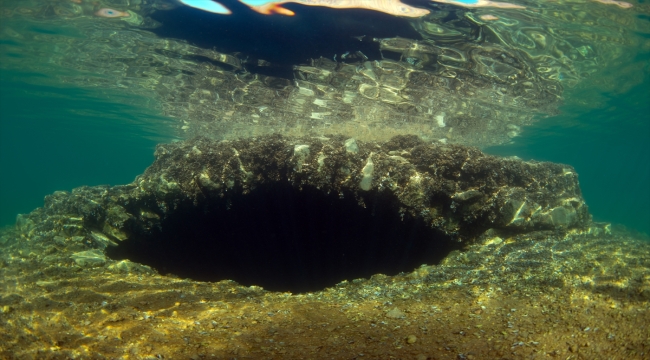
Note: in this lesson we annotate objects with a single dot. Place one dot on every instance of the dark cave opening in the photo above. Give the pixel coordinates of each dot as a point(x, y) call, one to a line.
point(285, 239)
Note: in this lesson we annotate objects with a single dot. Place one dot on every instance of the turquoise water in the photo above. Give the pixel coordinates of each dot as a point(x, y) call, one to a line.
point(78, 137)
point(56, 135)
point(58, 138)
point(609, 148)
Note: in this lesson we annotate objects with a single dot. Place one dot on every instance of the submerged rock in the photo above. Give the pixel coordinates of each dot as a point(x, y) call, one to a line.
point(301, 214)
point(89, 257)
point(530, 255)
point(455, 189)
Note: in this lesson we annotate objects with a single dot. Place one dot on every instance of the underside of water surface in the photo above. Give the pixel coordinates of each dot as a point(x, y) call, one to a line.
point(449, 75)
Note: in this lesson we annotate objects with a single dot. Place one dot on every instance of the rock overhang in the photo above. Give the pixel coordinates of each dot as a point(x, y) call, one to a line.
point(456, 193)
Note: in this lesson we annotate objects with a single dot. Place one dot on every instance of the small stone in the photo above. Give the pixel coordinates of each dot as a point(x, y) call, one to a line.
point(368, 169)
point(411, 339)
point(395, 314)
point(300, 153)
point(89, 257)
point(351, 146)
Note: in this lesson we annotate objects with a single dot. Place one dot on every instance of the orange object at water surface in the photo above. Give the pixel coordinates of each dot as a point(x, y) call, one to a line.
point(393, 7)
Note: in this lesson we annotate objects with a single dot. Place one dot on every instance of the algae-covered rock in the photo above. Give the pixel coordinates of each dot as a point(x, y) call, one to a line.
point(457, 190)
point(529, 252)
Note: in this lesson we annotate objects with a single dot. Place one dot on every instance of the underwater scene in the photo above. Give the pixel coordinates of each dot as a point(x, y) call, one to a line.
point(325, 179)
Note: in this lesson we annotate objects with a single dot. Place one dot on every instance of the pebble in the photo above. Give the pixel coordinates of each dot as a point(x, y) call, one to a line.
point(395, 314)
point(411, 339)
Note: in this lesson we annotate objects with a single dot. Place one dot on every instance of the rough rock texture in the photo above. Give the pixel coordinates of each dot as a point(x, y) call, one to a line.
point(457, 190)
point(536, 277)
point(582, 294)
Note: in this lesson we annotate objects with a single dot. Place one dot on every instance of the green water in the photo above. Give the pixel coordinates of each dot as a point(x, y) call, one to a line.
point(57, 134)
point(609, 148)
point(59, 138)
point(78, 137)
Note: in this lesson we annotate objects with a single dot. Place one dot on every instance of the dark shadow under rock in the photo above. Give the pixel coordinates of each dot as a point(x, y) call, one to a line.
point(285, 239)
point(301, 214)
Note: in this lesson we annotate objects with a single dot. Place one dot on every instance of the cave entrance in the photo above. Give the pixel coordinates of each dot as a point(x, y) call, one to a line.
point(285, 239)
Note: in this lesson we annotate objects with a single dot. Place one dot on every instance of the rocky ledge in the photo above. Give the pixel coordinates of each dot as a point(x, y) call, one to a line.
point(457, 190)
point(332, 221)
